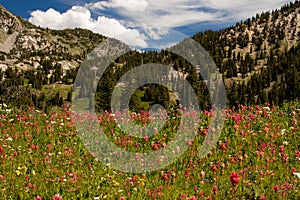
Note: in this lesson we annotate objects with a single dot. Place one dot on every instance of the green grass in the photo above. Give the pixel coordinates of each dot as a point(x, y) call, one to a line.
point(52, 89)
point(42, 155)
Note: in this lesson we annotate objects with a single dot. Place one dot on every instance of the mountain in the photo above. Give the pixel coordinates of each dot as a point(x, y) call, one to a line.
point(258, 58)
point(32, 58)
point(24, 45)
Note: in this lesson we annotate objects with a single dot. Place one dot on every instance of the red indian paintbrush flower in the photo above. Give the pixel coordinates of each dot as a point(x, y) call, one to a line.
point(263, 197)
point(234, 178)
point(276, 188)
point(215, 189)
point(57, 197)
point(37, 198)
point(193, 198)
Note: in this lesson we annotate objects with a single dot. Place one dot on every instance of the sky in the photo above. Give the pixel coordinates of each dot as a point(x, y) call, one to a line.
point(138, 22)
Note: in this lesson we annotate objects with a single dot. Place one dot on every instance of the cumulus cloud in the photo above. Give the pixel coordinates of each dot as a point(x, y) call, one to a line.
point(80, 17)
point(75, 17)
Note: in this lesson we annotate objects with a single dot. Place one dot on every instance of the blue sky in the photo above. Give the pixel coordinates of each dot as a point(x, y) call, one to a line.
point(118, 17)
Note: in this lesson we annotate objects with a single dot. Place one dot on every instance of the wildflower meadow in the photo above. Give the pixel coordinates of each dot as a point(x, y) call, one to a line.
point(257, 156)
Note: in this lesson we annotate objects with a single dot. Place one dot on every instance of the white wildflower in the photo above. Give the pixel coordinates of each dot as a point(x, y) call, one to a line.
point(297, 174)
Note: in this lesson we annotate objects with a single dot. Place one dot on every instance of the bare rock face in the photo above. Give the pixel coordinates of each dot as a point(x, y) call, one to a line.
point(9, 43)
point(9, 21)
point(10, 26)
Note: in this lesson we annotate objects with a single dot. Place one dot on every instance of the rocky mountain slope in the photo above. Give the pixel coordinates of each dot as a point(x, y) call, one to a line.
point(38, 66)
point(26, 46)
point(259, 55)
point(277, 30)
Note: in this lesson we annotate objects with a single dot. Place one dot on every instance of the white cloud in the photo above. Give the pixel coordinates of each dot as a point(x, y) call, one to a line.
point(155, 33)
point(128, 5)
point(75, 17)
point(134, 38)
point(156, 12)
point(150, 13)
point(173, 13)
point(80, 17)
point(242, 9)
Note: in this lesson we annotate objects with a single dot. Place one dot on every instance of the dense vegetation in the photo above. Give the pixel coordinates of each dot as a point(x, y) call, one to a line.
point(256, 157)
